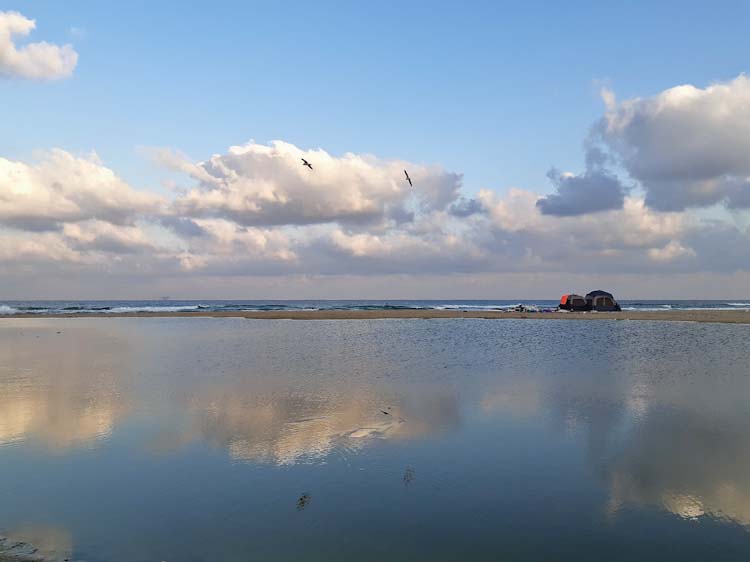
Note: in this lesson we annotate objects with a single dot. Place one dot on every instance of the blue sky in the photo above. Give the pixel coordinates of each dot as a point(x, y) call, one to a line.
point(498, 91)
point(479, 100)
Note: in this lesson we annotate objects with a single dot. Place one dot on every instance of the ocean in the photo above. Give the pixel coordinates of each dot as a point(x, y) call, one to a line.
point(226, 440)
point(123, 306)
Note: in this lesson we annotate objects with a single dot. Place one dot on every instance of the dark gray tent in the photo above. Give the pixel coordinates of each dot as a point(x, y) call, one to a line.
point(571, 301)
point(602, 301)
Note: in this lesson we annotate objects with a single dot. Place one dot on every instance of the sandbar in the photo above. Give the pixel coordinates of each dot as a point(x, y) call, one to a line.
point(714, 316)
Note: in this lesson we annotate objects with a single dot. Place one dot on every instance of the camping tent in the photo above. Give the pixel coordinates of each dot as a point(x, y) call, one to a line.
point(573, 302)
point(602, 301)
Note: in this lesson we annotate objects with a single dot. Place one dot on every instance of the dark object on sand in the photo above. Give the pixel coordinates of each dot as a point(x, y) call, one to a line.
point(384, 412)
point(602, 301)
point(573, 302)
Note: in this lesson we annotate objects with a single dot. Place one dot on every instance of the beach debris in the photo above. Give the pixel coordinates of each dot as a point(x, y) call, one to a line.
point(303, 501)
point(408, 178)
point(306, 163)
point(409, 475)
point(386, 413)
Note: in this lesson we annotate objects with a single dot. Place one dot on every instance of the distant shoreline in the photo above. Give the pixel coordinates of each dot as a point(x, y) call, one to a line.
point(715, 316)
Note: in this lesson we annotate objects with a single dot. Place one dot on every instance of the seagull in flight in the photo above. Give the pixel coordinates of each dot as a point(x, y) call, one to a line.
point(306, 163)
point(408, 178)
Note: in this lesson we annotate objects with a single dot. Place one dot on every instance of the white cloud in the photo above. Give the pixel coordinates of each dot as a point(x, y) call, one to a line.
point(609, 98)
point(34, 60)
point(405, 251)
point(41, 248)
point(686, 146)
point(224, 245)
point(617, 239)
point(259, 185)
point(100, 236)
point(63, 188)
point(671, 251)
point(255, 212)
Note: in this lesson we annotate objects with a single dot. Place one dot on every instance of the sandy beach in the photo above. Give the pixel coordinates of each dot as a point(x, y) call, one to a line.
point(713, 316)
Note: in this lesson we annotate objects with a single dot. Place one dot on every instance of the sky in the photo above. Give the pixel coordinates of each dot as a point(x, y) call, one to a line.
point(151, 149)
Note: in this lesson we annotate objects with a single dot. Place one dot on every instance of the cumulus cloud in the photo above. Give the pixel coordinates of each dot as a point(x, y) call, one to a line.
point(686, 146)
point(619, 239)
point(466, 207)
point(34, 60)
point(257, 212)
point(83, 249)
point(224, 247)
point(100, 236)
point(595, 190)
point(671, 251)
point(63, 188)
point(41, 248)
point(405, 251)
point(265, 185)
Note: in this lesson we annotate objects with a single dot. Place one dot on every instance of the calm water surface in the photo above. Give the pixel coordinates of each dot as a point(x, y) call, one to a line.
point(203, 439)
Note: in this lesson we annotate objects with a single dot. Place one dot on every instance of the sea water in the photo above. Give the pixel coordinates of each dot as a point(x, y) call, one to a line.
point(201, 439)
point(49, 307)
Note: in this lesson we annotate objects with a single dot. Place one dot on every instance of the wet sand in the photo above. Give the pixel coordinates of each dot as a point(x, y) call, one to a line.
point(713, 316)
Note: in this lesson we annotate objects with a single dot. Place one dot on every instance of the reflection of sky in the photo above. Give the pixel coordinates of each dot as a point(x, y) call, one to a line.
point(55, 389)
point(35, 542)
point(548, 419)
point(290, 429)
point(666, 427)
point(688, 463)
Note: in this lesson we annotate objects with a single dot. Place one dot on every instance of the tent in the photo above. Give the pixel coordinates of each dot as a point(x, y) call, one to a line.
point(602, 301)
point(573, 302)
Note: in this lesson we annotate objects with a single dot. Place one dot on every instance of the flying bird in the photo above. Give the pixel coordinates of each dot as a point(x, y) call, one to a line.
point(306, 163)
point(408, 178)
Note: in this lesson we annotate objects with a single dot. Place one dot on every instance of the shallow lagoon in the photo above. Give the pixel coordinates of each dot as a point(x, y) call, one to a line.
point(229, 440)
